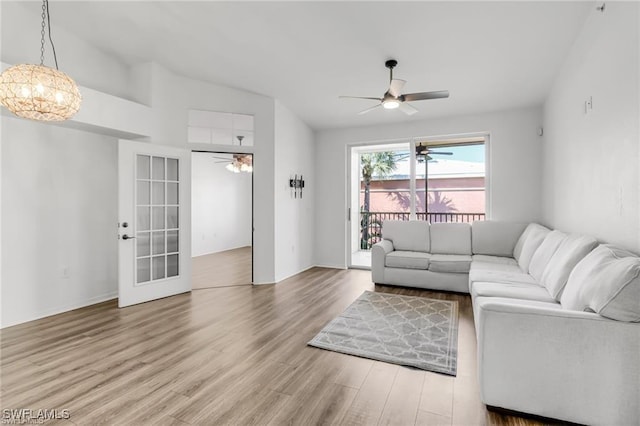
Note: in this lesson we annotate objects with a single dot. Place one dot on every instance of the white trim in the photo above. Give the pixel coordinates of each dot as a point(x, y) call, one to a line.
point(487, 177)
point(328, 266)
point(286, 277)
point(66, 308)
point(357, 148)
point(360, 267)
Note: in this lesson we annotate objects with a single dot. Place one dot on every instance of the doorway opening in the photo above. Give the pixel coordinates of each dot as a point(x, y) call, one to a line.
point(222, 219)
point(434, 179)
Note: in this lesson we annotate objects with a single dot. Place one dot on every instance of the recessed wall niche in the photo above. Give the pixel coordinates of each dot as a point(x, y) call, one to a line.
point(219, 128)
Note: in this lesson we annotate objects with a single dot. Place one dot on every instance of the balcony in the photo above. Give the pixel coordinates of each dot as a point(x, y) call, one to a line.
point(371, 223)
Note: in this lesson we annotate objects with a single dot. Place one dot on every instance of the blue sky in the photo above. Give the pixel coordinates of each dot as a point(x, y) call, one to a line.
point(472, 153)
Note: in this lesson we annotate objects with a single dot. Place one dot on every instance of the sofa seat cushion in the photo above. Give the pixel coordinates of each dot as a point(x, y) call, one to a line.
point(511, 291)
point(571, 251)
point(491, 260)
point(407, 259)
point(459, 263)
point(500, 276)
point(606, 281)
point(497, 267)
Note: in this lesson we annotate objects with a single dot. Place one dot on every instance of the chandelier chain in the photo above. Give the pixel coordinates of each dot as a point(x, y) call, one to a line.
point(44, 11)
point(46, 24)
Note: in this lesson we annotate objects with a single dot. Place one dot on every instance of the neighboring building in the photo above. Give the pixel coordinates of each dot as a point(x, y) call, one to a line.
point(454, 187)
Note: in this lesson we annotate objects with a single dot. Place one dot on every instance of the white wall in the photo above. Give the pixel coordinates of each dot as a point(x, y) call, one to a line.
point(59, 216)
point(59, 187)
point(294, 217)
point(86, 64)
point(514, 170)
point(591, 160)
point(28, 286)
point(172, 96)
point(220, 206)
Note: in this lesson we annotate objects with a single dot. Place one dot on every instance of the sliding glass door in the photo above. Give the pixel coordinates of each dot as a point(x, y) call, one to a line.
point(421, 179)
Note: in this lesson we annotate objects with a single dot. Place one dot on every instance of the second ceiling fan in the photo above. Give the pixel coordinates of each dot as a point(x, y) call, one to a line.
point(393, 98)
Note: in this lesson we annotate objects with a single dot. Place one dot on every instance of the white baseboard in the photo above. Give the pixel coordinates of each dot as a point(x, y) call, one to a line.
point(65, 308)
point(280, 279)
point(362, 268)
point(330, 266)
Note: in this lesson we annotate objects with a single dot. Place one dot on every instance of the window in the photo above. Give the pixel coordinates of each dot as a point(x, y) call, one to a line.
point(450, 181)
point(438, 180)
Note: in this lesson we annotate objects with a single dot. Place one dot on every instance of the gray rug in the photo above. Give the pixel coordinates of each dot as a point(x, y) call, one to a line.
point(406, 330)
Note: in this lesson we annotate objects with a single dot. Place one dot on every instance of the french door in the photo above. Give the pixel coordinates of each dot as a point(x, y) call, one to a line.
point(154, 229)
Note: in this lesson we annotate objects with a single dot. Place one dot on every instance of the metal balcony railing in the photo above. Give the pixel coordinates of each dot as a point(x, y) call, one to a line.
point(371, 222)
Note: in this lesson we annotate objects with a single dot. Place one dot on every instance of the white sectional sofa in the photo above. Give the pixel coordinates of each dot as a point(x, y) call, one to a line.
point(557, 315)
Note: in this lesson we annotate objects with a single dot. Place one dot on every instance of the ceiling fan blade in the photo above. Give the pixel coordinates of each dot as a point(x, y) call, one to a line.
point(360, 97)
point(426, 95)
point(369, 109)
point(440, 153)
point(407, 109)
point(395, 88)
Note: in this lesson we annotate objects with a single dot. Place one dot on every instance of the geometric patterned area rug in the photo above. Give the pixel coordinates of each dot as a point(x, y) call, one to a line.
point(406, 330)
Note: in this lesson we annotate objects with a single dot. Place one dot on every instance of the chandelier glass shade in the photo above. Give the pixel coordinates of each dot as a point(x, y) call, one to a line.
point(38, 92)
point(240, 163)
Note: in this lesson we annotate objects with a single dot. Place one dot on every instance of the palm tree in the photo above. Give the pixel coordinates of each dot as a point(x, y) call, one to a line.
point(373, 164)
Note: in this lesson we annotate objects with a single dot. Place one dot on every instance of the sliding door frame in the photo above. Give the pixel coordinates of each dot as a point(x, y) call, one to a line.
point(352, 199)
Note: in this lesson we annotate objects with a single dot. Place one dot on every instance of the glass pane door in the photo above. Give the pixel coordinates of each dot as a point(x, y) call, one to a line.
point(158, 218)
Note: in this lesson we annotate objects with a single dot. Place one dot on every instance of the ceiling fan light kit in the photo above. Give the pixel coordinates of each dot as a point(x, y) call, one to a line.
point(38, 92)
point(240, 163)
point(394, 99)
point(390, 104)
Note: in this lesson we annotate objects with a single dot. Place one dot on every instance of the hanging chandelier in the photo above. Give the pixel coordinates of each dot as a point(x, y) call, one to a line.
point(38, 92)
point(240, 163)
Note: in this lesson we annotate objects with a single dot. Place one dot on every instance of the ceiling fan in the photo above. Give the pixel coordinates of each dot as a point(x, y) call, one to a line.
point(238, 163)
point(392, 98)
point(424, 153)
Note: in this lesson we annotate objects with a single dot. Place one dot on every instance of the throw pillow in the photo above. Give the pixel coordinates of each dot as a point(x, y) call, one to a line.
point(606, 281)
point(528, 243)
point(571, 251)
point(544, 253)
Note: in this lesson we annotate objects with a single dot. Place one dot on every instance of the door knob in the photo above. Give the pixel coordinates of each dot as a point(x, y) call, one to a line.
point(126, 237)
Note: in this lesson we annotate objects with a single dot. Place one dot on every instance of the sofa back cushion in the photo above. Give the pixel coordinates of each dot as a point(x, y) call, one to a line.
point(606, 281)
point(544, 253)
point(571, 251)
point(407, 235)
point(451, 238)
point(495, 238)
point(528, 243)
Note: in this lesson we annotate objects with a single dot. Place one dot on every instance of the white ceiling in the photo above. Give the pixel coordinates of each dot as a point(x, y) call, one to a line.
point(489, 55)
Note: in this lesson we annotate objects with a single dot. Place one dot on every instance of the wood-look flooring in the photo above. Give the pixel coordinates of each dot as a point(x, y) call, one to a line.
point(222, 269)
point(233, 355)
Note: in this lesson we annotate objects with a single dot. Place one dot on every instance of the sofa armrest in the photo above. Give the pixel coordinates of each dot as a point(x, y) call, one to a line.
point(538, 358)
point(379, 252)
